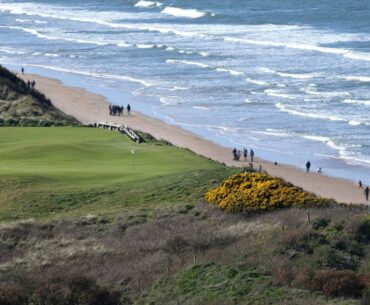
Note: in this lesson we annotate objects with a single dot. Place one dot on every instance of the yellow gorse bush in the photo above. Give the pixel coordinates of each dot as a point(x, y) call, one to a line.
point(256, 192)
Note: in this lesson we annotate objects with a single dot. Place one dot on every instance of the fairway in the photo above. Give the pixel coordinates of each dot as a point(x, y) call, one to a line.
point(75, 170)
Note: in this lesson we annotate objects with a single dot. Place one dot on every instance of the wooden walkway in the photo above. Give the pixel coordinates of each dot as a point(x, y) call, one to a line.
point(124, 129)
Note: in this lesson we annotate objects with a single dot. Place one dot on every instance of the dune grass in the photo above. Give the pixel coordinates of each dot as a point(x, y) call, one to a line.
point(47, 172)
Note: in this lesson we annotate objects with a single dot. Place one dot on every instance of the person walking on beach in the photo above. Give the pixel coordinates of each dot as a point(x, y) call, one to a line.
point(319, 170)
point(366, 193)
point(245, 154)
point(234, 153)
point(252, 155)
point(128, 108)
point(22, 69)
point(360, 184)
point(238, 155)
point(308, 166)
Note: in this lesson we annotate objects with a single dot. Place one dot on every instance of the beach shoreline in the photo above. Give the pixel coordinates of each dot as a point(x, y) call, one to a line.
point(90, 108)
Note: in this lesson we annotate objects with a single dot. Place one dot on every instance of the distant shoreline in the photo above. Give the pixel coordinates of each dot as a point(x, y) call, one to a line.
point(89, 108)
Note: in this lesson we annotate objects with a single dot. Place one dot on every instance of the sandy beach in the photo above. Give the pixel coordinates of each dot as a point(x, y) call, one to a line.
point(90, 108)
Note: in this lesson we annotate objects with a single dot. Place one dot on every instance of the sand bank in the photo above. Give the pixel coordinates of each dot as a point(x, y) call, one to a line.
point(89, 108)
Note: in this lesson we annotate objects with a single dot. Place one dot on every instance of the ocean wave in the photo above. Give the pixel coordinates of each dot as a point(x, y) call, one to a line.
point(94, 74)
point(360, 102)
point(144, 3)
point(256, 82)
point(21, 20)
point(51, 55)
point(303, 47)
point(11, 51)
point(327, 94)
point(40, 22)
point(50, 37)
point(291, 75)
point(283, 108)
point(103, 18)
point(232, 72)
point(365, 79)
point(187, 62)
point(169, 100)
point(356, 160)
point(277, 93)
point(181, 12)
point(201, 108)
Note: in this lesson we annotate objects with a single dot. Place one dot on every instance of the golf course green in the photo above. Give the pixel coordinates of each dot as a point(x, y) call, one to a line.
point(46, 172)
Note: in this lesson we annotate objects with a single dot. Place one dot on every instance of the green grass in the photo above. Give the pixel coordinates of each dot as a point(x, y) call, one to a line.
point(46, 172)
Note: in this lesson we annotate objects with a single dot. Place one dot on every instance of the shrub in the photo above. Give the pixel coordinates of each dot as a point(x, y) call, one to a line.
point(365, 297)
point(363, 232)
point(12, 294)
point(320, 223)
point(77, 290)
point(338, 283)
point(303, 241)
point(256, 192)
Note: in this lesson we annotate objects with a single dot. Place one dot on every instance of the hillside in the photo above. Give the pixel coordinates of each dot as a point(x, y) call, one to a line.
point(88, 217)
point(24, 106)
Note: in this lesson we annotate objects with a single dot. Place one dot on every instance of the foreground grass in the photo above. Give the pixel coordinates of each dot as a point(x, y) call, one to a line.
point(48, 172)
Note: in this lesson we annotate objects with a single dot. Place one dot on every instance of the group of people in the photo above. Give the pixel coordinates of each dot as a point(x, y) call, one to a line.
point(237, 154)
point(118, 110)
point(31, 85)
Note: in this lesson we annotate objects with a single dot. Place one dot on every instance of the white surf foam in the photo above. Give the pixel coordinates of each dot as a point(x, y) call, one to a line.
point(40, 22)
point(257, 82)
point(94, 74)
point(360, 102)
point(326, 94)
point(51, 55)
point(201, 108)
point(232, 72)
point(50, 37)
point(184, 13)
point(186, 62)
point(21, 20)
point(365, 79)
point(277, 93)
point(283, 108)
point(304, 47)
point(11, 51)
point(290, 75)
point(144, 3)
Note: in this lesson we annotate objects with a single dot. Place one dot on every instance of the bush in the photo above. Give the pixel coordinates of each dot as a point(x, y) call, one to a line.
point(320, 223)
point(365, 297)
point(256, 192)
point(338, 283)
point(363, 232)
point(12, 294)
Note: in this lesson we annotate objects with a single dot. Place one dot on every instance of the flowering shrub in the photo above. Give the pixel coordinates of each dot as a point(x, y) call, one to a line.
point(256, 192)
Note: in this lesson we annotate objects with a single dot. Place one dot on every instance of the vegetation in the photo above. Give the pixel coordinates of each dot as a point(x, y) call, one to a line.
point(24, 106)
point(256, 192)
point(89, 217)
point(49, 172)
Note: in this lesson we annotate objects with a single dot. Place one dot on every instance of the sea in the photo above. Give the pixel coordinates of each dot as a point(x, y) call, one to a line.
point(288, 78)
